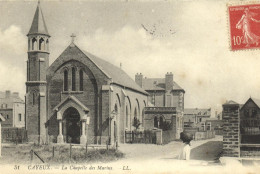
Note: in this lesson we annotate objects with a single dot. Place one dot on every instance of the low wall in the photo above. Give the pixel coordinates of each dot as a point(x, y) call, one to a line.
point(168, 136)
point(204, 135)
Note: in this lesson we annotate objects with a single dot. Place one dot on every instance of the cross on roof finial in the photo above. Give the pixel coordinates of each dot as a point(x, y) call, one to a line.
point(72, 37)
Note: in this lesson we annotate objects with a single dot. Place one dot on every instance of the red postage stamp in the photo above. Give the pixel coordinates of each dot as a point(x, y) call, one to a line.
point(244, 21)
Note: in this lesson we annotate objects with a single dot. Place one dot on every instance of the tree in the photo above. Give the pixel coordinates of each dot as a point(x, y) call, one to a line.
point(136, 123)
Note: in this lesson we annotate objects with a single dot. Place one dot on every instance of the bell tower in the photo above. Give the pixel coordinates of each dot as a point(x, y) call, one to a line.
point(37, 64)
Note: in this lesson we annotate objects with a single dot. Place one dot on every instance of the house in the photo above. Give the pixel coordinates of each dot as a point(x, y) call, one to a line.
point(163, 92)
point(167, 100)
point(196, 117)
point(241, 128)
point(12, 108)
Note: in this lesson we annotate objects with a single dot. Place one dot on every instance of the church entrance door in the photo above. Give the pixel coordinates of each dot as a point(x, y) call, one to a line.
point(72, 126)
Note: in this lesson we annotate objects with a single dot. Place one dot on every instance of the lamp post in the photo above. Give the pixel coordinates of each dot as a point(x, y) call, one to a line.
point(1, 119)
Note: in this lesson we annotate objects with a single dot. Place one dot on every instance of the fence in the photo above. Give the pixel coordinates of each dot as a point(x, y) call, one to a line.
point(14, 135)
point(147, 137)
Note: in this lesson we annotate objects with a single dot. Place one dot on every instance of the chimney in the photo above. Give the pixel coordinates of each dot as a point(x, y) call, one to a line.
point(16, 94)
point(7, 94)
point(139, 79)
point(168, 81)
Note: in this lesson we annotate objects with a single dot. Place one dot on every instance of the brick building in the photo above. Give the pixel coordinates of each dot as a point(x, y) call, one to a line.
point(76, 89)
point(167, 99)
point(12, 109)
point(241, 128)
point(163, 92)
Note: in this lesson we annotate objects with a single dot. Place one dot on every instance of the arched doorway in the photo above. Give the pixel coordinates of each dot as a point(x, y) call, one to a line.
point(72, 126)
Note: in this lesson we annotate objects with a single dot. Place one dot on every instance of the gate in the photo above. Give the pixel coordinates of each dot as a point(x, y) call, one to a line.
point(147, 137)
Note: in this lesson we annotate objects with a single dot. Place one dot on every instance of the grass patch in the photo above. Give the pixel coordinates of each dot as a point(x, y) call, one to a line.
point(21, 154)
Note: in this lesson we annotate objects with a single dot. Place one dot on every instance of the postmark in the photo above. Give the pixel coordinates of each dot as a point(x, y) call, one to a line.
point(244, 26)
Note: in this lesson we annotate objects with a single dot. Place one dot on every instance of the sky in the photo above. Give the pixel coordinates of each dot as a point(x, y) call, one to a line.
point(190, 39)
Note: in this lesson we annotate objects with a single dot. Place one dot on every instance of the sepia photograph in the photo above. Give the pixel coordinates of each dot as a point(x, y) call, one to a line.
point(124, 86)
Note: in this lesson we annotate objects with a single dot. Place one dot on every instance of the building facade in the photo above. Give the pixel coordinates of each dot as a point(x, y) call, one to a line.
point(166, 99)
point(12, 108)
point(196, 117)
point(163, 92)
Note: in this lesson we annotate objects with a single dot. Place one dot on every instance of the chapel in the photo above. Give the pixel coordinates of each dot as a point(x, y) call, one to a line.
point(79, 98)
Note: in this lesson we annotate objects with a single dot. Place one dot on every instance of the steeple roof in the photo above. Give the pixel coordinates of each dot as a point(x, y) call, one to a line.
point(38, 25)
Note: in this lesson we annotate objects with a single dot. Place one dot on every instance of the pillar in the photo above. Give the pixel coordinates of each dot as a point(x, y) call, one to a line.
point(60, 136)
point(83, 137)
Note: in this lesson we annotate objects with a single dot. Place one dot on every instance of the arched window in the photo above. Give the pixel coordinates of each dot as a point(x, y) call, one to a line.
point(47, 44)
point(142, 120)
point(34, 98)
point(135, 113)
point(155, 122)
point(126, 115)
point(81, 80)
point(73, 79)
point(34, 44)
point(41, 44)
point(116, 110)
point(65, 80)
point(161, 123)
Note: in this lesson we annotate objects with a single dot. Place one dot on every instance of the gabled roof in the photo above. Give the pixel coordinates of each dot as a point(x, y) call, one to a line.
point(255, 100)
point(197, 111)
point(72, 98)
point(158, 84)
point(14, 98)
point(38, 24)
point(230, 102)
point(117, 75)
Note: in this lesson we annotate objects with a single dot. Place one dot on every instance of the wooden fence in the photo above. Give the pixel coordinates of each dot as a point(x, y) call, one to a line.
point(14, 135)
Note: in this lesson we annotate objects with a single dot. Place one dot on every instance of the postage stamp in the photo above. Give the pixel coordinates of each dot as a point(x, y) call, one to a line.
point(244, 23)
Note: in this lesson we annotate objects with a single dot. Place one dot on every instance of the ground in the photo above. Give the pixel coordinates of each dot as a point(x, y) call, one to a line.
point(203, 150)
point(63, 154)
point(207, 150)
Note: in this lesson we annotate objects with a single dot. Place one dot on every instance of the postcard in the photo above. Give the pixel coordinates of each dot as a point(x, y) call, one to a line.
point(129, 86)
